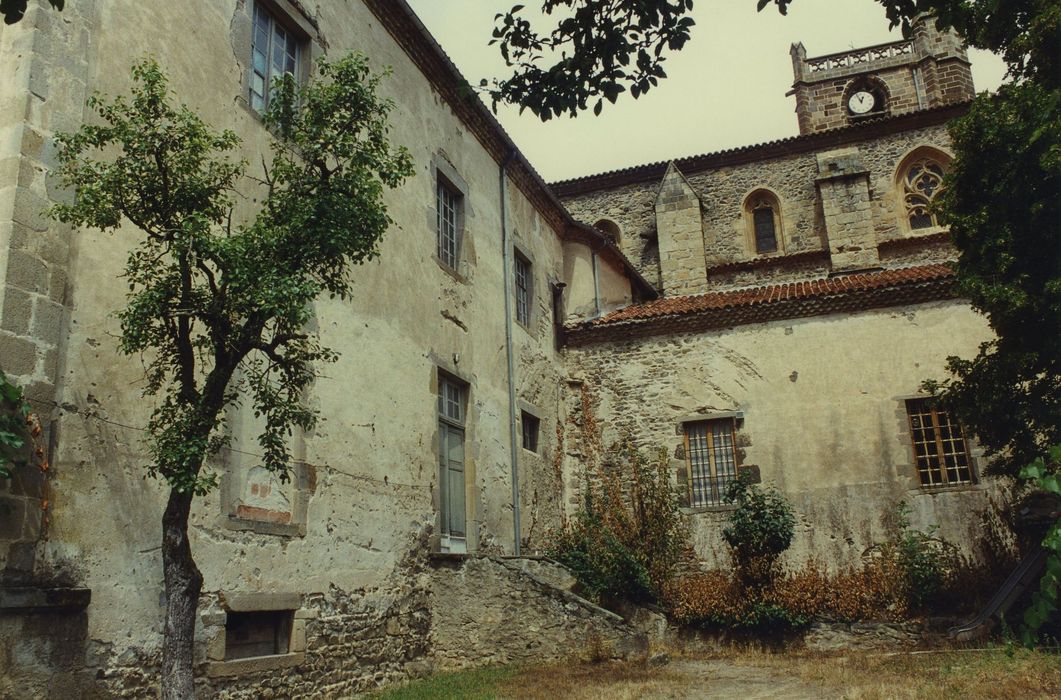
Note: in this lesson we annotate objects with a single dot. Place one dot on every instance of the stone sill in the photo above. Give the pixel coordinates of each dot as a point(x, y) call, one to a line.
point(443, 557)
point(254, 664)
point(263, 527)
point(702, 510)
point(36, 599)
point(932, 490)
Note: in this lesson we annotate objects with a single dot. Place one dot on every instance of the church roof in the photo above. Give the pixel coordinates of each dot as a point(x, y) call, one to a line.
point(840, 293)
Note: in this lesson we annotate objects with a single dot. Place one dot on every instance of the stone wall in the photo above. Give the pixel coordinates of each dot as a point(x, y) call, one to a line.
point(820, 411)
point(729, 253)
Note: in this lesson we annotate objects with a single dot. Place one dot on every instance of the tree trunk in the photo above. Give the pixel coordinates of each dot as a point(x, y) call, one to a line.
point(183, 585)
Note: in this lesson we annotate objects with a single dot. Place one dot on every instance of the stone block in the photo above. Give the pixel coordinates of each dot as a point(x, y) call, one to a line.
point(27, 272)
point(250, 602)
point(19, 355)
point(17, 312)
point(47, 320)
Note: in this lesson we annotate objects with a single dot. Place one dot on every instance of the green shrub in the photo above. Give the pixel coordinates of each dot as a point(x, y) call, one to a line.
point(759, 530)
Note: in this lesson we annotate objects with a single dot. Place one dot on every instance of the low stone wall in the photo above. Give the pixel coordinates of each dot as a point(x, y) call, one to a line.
point(495, 611)
point(435, 613)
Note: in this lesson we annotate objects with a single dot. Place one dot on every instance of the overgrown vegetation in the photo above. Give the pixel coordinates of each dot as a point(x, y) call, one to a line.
point(907, 575)
point(15, 425)
point(1045, 603)
point(629, 538)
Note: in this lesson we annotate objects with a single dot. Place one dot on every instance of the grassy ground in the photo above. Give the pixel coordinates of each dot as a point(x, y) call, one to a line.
point(968, 675)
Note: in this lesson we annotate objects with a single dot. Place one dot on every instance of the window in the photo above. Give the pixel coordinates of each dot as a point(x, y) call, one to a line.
point(921, 184)
point(275, 51)
point(610, 229)
point(530, 425)
point(259, 633)
point(711, 459)
point(448, 202)
point(451, 422)
point(764, 219)
point(940, 451)
point(523, 290)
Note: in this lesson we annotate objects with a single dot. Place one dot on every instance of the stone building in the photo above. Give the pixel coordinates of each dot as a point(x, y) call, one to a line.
point(804, 298)
point(771, 308)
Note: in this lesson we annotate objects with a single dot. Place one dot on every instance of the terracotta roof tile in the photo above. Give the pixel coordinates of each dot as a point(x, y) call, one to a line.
point(809, 297)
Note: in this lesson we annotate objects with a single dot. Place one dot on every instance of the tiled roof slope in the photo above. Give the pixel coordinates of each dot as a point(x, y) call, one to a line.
point(847, 293)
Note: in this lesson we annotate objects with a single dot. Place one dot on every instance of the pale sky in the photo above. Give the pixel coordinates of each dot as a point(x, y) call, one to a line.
point(725, 89)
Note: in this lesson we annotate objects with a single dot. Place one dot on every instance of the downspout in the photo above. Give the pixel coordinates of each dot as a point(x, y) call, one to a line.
point(596, 283)
point(506, 253)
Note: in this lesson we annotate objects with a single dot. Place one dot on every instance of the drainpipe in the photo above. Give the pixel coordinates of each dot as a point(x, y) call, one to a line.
point(506, 252)
point(596, 284)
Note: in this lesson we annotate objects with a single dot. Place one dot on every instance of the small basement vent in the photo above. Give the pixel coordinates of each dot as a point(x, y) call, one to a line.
point(258, 633)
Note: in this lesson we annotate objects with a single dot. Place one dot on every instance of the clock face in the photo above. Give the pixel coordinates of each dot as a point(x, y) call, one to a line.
point(861, 102)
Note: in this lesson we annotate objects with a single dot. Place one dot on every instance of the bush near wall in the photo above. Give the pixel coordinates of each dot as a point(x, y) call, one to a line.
point(628, 540)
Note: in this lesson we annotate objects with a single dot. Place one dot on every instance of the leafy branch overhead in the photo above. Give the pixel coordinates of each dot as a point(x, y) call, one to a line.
point(598, 50)
point(15, 10)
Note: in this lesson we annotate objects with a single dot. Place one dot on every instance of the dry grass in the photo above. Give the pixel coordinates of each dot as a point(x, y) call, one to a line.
point(747, 674)
point(969, 674)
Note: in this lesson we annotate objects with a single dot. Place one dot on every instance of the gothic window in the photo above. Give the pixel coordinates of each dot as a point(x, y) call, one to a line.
point(922, 182)
point(764, 219)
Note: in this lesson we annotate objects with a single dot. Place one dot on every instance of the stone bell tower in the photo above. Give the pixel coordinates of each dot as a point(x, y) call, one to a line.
point(930, 69)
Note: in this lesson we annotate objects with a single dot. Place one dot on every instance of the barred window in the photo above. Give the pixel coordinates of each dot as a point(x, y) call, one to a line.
point(922, 182)
point(275, 50)
point(711, 458)
point(448, 203)
point(940, 450)
point(523, 290)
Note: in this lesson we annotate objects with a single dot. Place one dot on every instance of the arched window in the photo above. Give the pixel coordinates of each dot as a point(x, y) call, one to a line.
point(609, 228)
point(764, 220)
point(918, 182)
point(922, 183)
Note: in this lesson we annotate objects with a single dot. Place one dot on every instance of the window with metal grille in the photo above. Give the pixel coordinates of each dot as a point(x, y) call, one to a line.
point(523, 290)
point(711, 459)
point(530, 425)
point(257, 633)
point(448, 204)
point(940, 450)
point(275, 50)
point(451, 414)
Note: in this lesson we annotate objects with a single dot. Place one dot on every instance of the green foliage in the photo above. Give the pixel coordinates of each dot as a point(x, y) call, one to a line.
point(597, 51)
point(759, 530)
point(924, 561)
point(14, 10)
point(627, 541)
point(1045, 604)
point(1002, 206)
point(14, 427)
point(208, 295)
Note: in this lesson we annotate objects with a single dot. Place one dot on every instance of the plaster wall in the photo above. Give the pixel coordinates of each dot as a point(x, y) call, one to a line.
point(367, 479)
point(823, 410)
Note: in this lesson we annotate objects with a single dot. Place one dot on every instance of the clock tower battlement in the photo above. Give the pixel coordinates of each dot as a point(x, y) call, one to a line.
point(930, 69)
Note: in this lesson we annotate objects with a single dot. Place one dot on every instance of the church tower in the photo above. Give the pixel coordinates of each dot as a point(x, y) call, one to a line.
point(930, 69)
